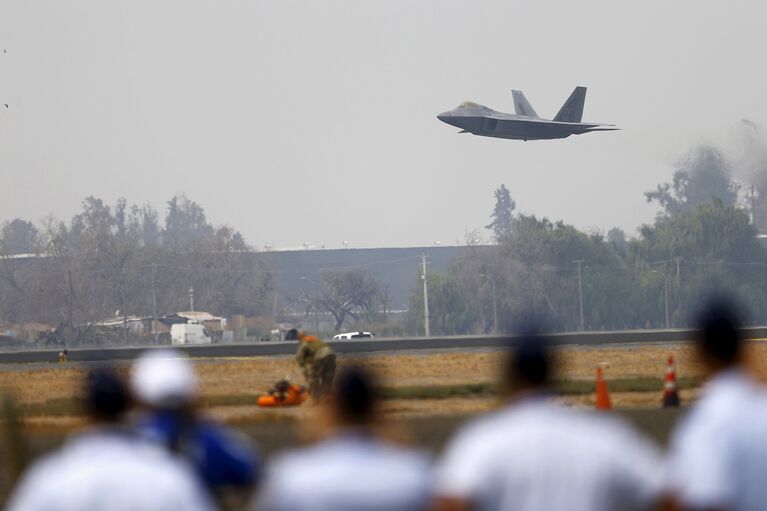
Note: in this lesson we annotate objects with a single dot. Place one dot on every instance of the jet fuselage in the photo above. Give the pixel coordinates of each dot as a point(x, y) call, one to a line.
point(486, 122)
point(525, 124)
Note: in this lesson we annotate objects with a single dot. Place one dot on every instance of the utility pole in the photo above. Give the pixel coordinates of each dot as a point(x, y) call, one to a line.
point(316, 309)
point(191, 299)
point(752, 203)
point(580, 291)
point(665, 286)
point(495, 301)
point(678, 291)
point(315, 304)
point(154, 302)
point(665, 293)
point(426, 329)
point(70, 293)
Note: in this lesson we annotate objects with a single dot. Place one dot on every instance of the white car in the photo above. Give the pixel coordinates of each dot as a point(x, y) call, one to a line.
point(353, 335)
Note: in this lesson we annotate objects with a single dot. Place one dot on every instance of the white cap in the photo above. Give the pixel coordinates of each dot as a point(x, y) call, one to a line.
point(163, 377)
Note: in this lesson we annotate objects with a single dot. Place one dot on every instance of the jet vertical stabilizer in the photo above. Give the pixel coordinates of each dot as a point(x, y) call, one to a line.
point(521, 105)
point(572, 110)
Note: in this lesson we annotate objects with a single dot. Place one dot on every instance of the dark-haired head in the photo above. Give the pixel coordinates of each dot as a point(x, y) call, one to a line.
point(355, 398)
point(528, 364)
point(718, 338)
point(106, 396)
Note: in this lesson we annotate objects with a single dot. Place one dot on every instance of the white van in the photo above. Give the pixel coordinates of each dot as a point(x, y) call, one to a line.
point(189, 333)
point(353, 335)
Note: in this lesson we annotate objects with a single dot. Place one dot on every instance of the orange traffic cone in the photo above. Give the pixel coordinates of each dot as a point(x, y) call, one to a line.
point(670, 393)
point(603, 395)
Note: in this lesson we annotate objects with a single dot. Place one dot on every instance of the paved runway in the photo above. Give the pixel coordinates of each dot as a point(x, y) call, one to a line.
point(368, 345)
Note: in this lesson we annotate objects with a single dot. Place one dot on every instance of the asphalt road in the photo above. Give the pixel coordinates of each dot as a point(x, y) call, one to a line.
point(368, 345)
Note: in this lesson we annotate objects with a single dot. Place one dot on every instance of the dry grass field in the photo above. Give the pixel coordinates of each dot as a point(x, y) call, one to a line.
point(229, 384)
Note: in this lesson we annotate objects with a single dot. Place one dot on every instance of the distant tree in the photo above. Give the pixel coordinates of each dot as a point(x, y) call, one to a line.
point(229, 239)
point(701, 176)
point(112, 257)
point(151, 233)
point(185, 222)
point(19, 237)
point(617, 237)
point(53, 237)
point(502, 213)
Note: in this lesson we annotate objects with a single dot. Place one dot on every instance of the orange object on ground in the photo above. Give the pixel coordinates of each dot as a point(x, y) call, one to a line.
point(294, 396)
point(603, 395)
point(670, 392)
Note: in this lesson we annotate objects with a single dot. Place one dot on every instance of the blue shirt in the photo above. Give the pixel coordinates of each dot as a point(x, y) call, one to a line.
point(220, 457)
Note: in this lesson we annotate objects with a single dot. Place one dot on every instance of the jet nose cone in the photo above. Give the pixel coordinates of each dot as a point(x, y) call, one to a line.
point(444, 116)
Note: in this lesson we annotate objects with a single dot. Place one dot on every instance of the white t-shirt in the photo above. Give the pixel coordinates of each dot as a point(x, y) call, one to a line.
point(109, 470)
point(718, 454)
point(347, 472)
point(536, 455)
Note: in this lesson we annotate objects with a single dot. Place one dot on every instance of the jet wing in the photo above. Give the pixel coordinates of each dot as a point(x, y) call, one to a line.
point(604, 128)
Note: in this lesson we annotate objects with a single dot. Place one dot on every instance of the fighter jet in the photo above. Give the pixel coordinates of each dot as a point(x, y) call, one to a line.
point(525, 124)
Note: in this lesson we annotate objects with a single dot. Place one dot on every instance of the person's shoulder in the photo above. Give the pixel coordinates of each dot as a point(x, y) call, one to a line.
point(160, 468)
point(721, 406)
point(296, 458)
point(405, 456)
point(46, 470)
point(596, 424)
point(39, 484)
point(297, 464)
point(172, 480)
point(485, 429)
point(584, 428)
point(87, 462)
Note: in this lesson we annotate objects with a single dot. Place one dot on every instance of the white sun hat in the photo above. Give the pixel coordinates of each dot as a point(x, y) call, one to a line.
point(163, 378)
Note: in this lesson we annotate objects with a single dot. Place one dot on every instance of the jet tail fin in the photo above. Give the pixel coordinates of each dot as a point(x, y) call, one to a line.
point(521, 105)
point(572, 110)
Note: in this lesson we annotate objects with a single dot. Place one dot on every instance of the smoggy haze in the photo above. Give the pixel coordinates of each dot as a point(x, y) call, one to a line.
point(316, 121)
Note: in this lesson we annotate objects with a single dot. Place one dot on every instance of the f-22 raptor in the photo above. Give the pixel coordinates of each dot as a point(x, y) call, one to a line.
point(525, 124)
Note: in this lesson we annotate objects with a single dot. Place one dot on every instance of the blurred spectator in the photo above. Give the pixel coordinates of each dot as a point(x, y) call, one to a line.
point(166, 387)
point(109, 466)
point(536, 455)
point(352, 469)
point(718, 454)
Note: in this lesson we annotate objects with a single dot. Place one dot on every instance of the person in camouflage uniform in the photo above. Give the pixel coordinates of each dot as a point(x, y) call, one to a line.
point(318, 363)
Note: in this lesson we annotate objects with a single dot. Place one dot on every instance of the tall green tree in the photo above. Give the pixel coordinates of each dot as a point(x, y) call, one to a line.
point(501, 223)
point(451, 310)
point(716, 249)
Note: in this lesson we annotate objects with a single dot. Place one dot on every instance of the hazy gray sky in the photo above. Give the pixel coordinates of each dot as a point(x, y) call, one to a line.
point(315, 120)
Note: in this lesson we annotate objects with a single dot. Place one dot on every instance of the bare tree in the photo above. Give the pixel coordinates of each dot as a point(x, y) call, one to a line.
point(352, 293)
